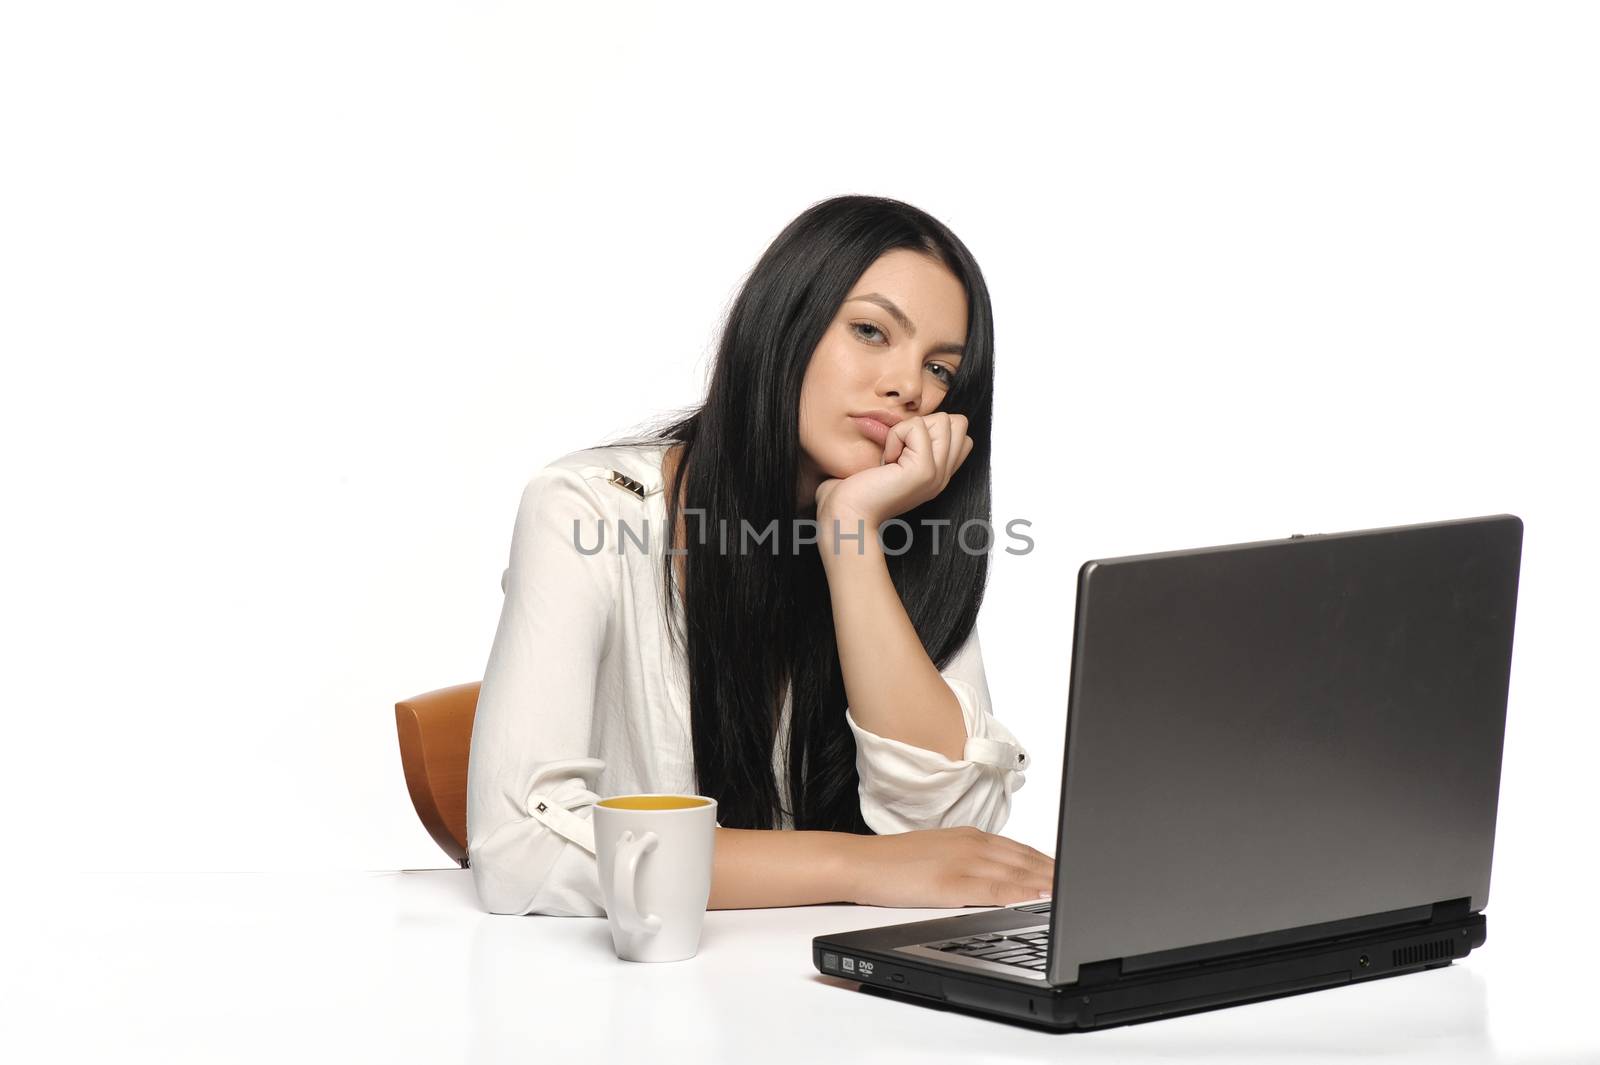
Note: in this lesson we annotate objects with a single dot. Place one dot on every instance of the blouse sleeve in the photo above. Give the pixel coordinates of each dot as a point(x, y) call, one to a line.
point(904, 787)
point(530, 777)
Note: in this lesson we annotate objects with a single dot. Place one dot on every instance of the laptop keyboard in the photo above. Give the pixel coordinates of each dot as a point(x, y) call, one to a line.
point(1021, 947)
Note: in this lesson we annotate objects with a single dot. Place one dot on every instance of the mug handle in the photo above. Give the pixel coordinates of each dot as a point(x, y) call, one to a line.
point(624, 877)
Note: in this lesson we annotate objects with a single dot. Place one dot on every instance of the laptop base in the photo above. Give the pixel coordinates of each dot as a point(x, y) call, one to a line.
point(1124, 999)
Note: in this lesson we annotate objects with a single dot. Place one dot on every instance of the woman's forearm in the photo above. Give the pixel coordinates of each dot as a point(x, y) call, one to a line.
point(890, 683)
point(754, 867)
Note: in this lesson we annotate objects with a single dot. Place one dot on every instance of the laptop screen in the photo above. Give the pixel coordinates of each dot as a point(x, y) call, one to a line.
point(1281, 734)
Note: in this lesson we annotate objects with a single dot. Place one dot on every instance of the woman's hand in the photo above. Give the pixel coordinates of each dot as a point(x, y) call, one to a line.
point(920, 455)
point(946, 867)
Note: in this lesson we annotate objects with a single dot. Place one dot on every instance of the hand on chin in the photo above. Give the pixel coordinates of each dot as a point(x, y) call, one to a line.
point(919, 457)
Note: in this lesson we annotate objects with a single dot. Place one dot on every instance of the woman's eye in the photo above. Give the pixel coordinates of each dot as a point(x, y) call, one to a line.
point(943, 372)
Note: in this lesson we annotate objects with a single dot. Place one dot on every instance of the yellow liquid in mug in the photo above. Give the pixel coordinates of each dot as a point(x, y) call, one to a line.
point(653, 802)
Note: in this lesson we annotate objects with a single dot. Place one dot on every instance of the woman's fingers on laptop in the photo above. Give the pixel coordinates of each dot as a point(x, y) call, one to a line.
point(1000, 893)
point(1014, 881)
point(1010, 852)
point(1027, 854)
point(1009, 872)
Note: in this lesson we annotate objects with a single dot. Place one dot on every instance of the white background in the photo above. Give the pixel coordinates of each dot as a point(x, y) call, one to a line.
point(294, 297)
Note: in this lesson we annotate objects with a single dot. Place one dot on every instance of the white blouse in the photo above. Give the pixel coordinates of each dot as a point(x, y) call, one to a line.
point(584, 696)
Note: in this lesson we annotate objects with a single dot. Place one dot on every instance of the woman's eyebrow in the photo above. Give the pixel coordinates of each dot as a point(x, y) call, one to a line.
point(905, 323)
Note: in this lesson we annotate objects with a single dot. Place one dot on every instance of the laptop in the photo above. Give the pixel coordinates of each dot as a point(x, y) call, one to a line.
point(1281, 774)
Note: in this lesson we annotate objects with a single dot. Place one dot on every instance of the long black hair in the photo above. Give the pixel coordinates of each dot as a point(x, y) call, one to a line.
point(755, 619)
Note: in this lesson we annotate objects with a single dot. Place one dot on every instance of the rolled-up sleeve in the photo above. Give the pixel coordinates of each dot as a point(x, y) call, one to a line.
point(531, 777)
point(905, 788)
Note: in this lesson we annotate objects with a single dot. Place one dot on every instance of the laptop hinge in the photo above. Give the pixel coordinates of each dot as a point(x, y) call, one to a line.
point(1113, 968)
point(1100, 972)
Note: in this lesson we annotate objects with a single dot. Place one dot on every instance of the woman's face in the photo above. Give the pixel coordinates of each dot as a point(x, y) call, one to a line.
point(893, 346)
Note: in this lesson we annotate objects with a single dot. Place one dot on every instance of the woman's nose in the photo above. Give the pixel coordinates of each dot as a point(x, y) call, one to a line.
point(901, 388)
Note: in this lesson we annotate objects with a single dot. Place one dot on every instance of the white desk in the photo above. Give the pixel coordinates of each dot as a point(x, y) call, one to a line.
point(390, 967)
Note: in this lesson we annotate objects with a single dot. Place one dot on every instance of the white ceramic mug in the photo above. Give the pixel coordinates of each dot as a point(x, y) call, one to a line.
point(654, 855)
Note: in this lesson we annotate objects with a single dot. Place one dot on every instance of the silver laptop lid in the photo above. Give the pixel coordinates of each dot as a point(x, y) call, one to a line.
point(1271, 735)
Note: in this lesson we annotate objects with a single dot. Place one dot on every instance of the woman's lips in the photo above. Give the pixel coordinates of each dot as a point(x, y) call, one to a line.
point(872, 428)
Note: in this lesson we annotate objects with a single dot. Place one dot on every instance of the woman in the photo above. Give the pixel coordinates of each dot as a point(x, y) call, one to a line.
point(829, 686)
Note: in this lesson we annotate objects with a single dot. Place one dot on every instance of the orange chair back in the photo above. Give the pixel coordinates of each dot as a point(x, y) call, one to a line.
point(435, 736)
